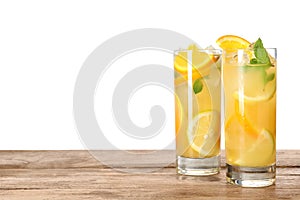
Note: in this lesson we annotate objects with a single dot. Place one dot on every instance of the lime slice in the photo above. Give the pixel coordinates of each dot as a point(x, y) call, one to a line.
point(204, 133)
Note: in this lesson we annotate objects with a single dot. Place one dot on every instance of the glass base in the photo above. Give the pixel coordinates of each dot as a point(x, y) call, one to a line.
point(251, 176)
point(198, 166)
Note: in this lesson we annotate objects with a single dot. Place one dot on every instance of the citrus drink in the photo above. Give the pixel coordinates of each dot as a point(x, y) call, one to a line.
point(249, 78)
point(197, 109)
point(250, 111)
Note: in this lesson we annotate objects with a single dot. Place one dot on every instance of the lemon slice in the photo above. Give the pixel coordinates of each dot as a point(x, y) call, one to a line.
point(204, 133)
point(254, 99)
point(195, 75)
point(232, 42)
point(261, 153)
point(181, 62)
point(246, 146)
point(259, 96)
point(193, 47)
point(200, 60)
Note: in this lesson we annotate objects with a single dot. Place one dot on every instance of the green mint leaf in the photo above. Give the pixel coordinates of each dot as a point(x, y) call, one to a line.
point(260, 53)
point(262, 56)
point(258, 44)
point(253, 61)
point(198, 86)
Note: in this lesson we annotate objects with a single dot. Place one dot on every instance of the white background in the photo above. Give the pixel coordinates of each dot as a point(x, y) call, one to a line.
point(44, 43)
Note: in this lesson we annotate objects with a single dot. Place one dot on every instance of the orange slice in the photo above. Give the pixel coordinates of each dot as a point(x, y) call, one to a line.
point(232, 42)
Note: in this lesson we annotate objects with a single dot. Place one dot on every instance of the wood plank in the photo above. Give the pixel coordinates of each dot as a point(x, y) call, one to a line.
point(164, 184)
point(77, 175)
point(83, 159)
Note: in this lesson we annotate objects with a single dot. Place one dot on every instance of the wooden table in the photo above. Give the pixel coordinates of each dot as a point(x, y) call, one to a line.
point(77, 175)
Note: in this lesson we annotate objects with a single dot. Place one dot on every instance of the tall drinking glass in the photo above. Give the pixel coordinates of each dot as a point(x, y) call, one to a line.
point(250, 118)
point(197, 111)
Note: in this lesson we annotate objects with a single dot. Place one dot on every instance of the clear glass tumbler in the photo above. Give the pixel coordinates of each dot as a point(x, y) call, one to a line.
point(197, 111)
point(250, 118)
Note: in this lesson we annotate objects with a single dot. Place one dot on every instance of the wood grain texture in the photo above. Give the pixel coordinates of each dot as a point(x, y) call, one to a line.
point(77, 175)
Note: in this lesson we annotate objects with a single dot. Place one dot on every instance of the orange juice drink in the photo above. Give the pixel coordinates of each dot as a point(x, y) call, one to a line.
point(249, 77)
point(197, 110)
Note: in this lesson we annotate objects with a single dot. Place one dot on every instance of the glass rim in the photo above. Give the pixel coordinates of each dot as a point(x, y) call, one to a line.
point(209, 51)
point(247, 49)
